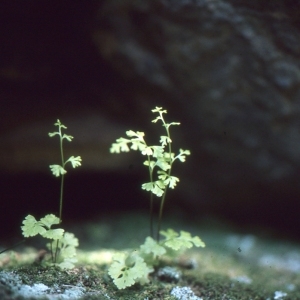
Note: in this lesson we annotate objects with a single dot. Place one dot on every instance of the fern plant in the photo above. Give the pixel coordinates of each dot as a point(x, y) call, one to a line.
point(134, 267)
point(62, 244)
point(159, 157)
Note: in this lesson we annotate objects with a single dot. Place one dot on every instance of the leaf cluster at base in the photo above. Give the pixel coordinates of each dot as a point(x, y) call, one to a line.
point(64, 243)
point(135, 267)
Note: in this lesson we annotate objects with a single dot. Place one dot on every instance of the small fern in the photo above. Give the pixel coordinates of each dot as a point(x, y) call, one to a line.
point(63, 244)
point(135, 267)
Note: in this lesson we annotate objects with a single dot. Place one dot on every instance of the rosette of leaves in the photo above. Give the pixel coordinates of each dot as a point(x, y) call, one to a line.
point(63, 242)
point(135, 267)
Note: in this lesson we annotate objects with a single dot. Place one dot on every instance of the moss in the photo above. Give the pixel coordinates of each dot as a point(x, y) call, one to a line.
point(217, 272)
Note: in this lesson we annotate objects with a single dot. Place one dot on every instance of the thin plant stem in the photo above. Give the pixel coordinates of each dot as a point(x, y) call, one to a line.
point(151, 200)
point(162, 202)
point(62, 176)
point(61, 188)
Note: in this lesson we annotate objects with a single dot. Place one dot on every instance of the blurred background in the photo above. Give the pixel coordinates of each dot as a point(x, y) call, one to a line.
point(228, 70)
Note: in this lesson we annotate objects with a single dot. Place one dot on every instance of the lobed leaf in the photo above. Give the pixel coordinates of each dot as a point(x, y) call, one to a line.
point(57, 170)
point(147, 151)
point(32, 227)
point(182, 241)
point(51, 134)
point(164, 140)
point(67, 137)
point(151, 246)
point(49, 220)
point(120, 146)
point(124, 276)
point(54, 234)
point(75, 161)
point(182, 155)
point(68, 263)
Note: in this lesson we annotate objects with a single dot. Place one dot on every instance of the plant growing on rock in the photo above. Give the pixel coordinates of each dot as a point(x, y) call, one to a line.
point(62, 244)
point(129, 268)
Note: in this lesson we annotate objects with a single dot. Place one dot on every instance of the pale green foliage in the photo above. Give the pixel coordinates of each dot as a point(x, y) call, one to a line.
point(58, 170)
point(67, 250)
point(127, 270)
point(135, 267)
point(63, 244)
point(181, 241)
point(157, 155)
point(32, 227)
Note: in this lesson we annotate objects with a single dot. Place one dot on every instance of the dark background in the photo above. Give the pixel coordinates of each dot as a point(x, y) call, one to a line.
point(229, 71)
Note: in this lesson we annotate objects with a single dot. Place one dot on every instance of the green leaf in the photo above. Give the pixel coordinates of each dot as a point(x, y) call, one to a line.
point(54, 234)
point(139, 134)
point(147, 151)
point(70, 239)
point(138, 145)
point(156, 187)
point(51, 134)
point(31, 227)
point(182, 241)
point(75, 161)
point(157, 151)
point(151, 246)
point(57, 170)
point(49, 220)
point(149, 186)
point(120, 146)
point(68, 263)
point(168, 180)
point(124, 276)
point(163, 164)
point(164, 140)
point(59, 124)
point(182, 155)
point(150, 164)
point(67, 137)
point(159, 110)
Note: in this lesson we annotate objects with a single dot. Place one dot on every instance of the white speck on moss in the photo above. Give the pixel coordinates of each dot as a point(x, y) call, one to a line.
point(279, 295)
point(184, 293)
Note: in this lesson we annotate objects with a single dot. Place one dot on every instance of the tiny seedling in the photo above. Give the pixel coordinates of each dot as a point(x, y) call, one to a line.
point(134, 267)
point(63, 244)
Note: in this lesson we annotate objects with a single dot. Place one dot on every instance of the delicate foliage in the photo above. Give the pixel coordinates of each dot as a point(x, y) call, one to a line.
point(181, 241)
point(67, 250)
point(126, 272)
point(128, 269)
point(75, 161)
point(58, 170)
point(50, 220)
point(162, 159)
point(62, 246)
point(151, 246)
point(32, 227)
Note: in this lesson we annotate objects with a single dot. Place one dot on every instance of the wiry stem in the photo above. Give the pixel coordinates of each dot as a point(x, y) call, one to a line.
point(162, 202)
point(62, 176)
point(61, 189)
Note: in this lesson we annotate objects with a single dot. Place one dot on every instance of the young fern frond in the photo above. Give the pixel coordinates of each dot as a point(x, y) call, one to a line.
point(159, 157)
point(63, 242)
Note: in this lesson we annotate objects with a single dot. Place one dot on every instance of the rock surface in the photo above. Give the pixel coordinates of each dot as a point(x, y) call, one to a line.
point(229, 71)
